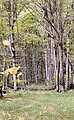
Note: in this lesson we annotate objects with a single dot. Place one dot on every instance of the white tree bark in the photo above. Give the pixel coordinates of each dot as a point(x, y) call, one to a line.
point(67, 65)
point(13, 40)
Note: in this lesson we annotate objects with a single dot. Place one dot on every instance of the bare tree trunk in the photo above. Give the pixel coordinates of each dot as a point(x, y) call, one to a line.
point(56, 71)
point(61, 76)
point(13, 40)
point(35, 67)
point(25, 64)
point(48, 59)
point(49, 63)
point(48, 80)
point(67, 66)
point(60, 47)
point(46, 69)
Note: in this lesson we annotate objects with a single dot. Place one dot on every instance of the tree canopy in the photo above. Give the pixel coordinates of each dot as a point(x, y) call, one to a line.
point(38, 36)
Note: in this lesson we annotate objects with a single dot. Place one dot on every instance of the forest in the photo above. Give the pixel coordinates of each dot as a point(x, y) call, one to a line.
point(36, 59)
point(36, 44)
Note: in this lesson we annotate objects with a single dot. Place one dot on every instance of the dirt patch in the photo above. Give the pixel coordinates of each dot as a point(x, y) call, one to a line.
point(10, 99)
point(28, 106)
point(50, 107)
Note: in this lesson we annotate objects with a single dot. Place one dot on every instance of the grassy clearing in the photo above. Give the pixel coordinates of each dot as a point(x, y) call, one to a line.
point(37, 105)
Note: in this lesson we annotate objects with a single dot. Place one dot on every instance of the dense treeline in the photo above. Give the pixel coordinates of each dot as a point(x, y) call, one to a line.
point(37, 35)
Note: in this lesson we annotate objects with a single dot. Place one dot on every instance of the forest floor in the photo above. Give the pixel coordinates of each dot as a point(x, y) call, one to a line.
point(37, 105)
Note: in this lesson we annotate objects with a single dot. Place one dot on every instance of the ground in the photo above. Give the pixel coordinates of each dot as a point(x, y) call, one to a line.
point(37, 105)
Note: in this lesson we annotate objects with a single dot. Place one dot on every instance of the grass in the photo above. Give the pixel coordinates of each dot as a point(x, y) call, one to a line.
point(37, 105)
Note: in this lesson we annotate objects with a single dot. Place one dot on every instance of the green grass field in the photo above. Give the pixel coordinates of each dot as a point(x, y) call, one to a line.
point(37, 105)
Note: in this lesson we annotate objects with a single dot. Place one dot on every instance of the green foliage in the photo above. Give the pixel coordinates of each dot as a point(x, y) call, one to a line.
point(0, 84)
point(1, 68)
point(64, 76)
point(31, 34)
point(18, 81)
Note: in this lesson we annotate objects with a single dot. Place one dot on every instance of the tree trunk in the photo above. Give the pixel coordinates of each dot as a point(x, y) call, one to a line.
point(46, 69)
point(0, 90)
point(60, 47)
point(34, 67)
point(49, 63)
point(13, 40)
point(61, 74)
point(67, 66)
